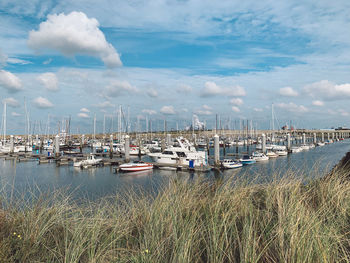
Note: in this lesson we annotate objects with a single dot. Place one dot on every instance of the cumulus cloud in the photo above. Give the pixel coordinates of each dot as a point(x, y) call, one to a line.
point(10, 81)
point(205, 110)
point(49, 81)
point(74, 34)
point(83, 115)
point(148, 111)
point(212, 89)
point(152, 93)
point(236, 101)
point(328, 91)
point(292, 107)
point(206, 107)
point(42, 103)
point(183, 88)
point(235, 109)
point(85, 110)
point(15, 114)
point(167, 110)
point(11, 102)
point(318, 103)
point(105, 104)
point(288, 92)
point(118, 88)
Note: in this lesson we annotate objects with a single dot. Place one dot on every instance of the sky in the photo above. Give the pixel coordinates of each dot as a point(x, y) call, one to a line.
point(169, 60)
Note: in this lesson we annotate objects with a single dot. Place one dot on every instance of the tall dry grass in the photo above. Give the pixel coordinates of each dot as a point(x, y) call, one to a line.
point(283, 221)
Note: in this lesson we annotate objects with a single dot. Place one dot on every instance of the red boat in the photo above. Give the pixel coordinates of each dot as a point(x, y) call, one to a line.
point(136, 166)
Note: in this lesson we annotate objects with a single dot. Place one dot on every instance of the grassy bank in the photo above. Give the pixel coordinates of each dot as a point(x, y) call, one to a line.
point(285, 221)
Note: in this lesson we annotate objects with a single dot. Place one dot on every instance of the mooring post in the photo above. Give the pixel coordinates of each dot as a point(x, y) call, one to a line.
point(322, 137)
point(11, 144)
point(111, 146)
point(216, 150)
point(168, 139)
point(304, 138)
point(57, 145)
point(263, 143)
point(288, 142)
point(315, 138)
point(127, 148)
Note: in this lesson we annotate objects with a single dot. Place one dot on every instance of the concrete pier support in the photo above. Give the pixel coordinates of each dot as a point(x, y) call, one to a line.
point(328, 136)
point(127, 148)
point(37, 140)
point(12, 144)
point(322, 137)
point(111, 146)
point(263, 143)
point(315, 138)
point(304, 138)
point(333, 136)
point(168, 139)
point(83, 139)
point(57, 145)
point(288, 142)
point(216, 150)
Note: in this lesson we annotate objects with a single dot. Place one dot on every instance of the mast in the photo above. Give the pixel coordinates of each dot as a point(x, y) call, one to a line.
point(94, 135)
point(272, 123)
point(4, 122)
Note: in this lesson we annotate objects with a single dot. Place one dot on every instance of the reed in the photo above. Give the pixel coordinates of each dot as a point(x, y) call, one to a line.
point(287, 220)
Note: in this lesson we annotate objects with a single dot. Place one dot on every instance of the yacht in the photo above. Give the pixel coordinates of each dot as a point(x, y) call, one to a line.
point(271, 154)
point(231, 164)
point(182, 153)
point(90, 160)
point(135, 166)
point(282, 152)
point(246, 159)
point(259, 157)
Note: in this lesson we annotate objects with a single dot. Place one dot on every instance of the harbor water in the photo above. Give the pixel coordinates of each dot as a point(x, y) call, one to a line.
point(23, 178)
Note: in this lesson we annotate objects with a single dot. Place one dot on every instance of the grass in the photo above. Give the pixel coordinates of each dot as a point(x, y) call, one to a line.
point(283, 221)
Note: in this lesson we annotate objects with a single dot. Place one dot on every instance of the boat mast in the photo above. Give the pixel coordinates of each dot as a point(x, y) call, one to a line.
point(4, 122)
point(94, 135)
point(272, 124)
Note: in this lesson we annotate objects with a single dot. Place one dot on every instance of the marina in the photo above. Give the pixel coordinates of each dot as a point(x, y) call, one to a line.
point(89, 172)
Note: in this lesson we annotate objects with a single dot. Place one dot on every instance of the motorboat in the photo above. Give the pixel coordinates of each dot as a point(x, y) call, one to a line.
point(295, 149)
point(90, 161)
point(136, 166)
point(281, 152)
point(259, 157)
point(231, 164)
point(305, 147)
point(271, 154)
point(246, 159)
point(182, 153)
point(320, 144)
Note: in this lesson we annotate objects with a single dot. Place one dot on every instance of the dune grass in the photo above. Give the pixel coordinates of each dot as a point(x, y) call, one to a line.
point(283, 221)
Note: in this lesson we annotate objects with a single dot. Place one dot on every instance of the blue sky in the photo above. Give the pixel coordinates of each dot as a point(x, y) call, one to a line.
point(172, 59)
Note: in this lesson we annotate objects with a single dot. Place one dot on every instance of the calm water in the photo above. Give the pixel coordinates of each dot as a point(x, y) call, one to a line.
point(100, 182)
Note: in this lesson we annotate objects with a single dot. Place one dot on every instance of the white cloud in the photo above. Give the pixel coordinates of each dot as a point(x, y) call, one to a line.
point(118, 88)
point(167, 110)
point(343, 112)
point(83, 115)
point(328, 91)
point(318, 103)
point(206, 107)
point(212, 89)
point(183, 88)
point(148, 111)
point(10, 81)
point(49, 80)
point(236, 101)
point(152, 93)
point(74, 34)
point(11, 102)
point(235, 109)
point(203, 112)
point(42, 103)
point(292, 107)
point(85, 110)
point(18, 61)
point(105, 104)
point(15, 114)
point(288, 92)
point(257, 109)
